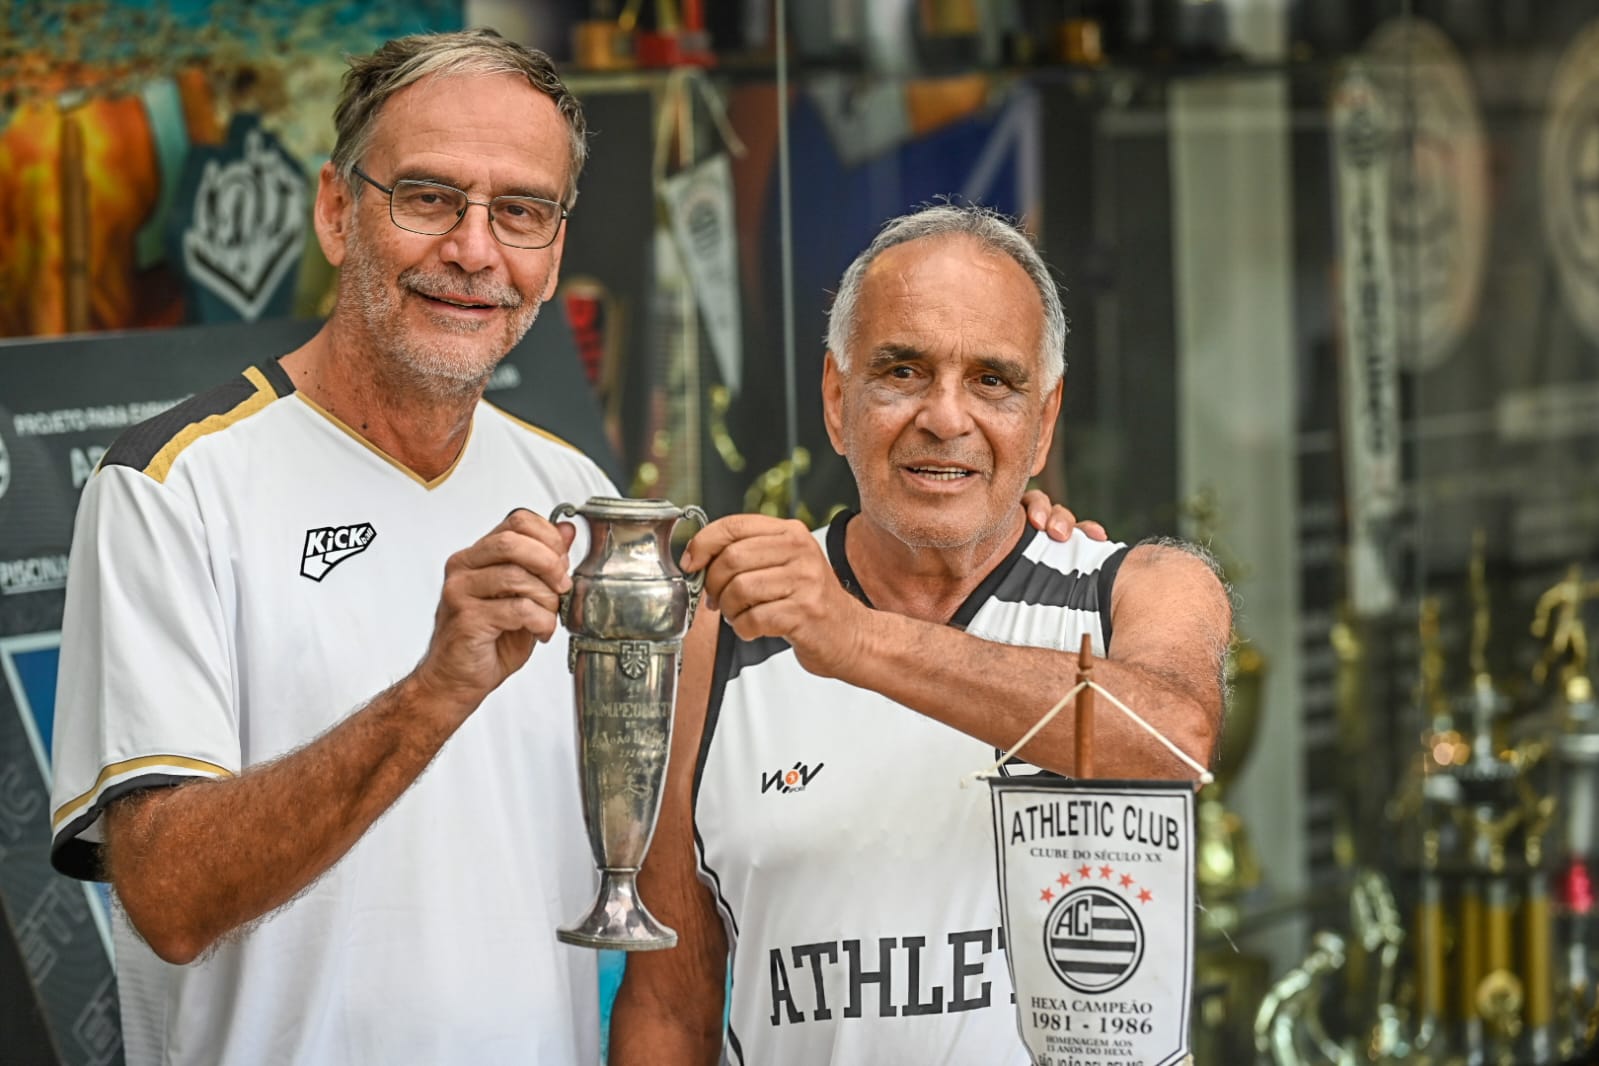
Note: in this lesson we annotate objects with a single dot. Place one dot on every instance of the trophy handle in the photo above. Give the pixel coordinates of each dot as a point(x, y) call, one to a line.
point(696, 581)
point(565, 510)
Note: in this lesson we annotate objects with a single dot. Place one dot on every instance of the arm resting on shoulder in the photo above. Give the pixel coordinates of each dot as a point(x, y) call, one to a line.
point(669, 1008)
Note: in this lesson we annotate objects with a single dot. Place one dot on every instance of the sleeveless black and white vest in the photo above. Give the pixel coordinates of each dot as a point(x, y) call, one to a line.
point(854, 873)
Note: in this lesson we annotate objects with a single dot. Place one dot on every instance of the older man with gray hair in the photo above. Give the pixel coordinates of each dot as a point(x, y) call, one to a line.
point(306, 724)
point(814, 837)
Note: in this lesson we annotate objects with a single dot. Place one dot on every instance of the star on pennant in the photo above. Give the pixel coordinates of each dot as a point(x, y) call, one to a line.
point(1045, 896)
point(1105, 872)
point(1064, 879)
point(1084, 870)
point(1127, 880)
point(1144, 895)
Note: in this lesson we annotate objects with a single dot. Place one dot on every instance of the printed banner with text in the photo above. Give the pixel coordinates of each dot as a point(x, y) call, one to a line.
point(1096, 882)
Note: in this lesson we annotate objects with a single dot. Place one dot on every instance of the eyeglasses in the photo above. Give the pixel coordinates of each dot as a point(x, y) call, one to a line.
point(434, 209)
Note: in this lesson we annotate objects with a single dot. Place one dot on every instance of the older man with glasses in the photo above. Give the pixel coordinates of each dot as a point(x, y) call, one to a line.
point(258, 664)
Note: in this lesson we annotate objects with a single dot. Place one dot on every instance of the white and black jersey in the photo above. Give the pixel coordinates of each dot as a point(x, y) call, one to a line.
point(853, 872)
point(247, 571)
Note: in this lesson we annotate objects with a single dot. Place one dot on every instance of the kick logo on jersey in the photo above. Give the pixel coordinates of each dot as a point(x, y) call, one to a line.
point(1091, 874)
point(794, 779)
point(329, 546)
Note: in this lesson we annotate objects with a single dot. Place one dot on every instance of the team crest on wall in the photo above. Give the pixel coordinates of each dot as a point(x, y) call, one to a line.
point(245, 212)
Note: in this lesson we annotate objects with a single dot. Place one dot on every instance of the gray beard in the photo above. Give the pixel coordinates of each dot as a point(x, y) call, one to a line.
point(430, 367)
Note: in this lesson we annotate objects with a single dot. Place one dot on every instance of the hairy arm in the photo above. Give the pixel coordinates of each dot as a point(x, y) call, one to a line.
point(1171, 623)
point(195, 862)
point(669, 1008)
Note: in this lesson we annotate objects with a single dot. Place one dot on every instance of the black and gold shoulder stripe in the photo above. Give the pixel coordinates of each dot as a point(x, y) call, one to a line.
point(154, 444)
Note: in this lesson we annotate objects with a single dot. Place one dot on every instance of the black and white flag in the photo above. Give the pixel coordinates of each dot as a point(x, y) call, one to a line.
point(1096, 884)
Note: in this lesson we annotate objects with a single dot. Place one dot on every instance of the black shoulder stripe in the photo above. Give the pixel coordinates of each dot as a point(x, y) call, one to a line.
point(277, 377)
point(997, 578)
point(1035, 584)
point(1107, 580)
point(155, 438)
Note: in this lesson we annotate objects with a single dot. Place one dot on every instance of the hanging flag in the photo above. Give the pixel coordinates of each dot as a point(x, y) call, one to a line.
point(1363, 143)
point(699, 203)
point(1096, 885)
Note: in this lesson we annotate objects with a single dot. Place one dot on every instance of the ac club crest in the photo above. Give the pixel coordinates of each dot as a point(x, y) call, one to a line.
point(1091, 874)
point(1093, 939)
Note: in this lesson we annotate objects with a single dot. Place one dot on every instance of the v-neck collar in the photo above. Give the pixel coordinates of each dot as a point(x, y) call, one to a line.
point(968, 608)
point(339, 424)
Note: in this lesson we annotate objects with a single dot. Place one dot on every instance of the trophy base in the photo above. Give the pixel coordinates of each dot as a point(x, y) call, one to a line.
point(618, 920)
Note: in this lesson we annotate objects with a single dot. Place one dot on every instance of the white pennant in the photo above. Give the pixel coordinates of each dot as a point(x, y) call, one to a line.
point(1363, 135)
point(1096, 883)
point(699, 203)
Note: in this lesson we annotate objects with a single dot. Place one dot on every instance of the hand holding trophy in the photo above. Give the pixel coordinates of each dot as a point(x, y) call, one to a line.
point(627, 612)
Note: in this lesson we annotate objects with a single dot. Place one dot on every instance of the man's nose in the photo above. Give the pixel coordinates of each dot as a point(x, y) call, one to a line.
point(943, 411)
point(471, 245)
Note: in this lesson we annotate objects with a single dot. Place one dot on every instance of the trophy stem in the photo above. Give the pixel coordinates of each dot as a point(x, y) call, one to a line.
point(619, 919)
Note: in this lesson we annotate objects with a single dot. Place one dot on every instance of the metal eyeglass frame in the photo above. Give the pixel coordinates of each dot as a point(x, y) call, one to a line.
point(388, 190)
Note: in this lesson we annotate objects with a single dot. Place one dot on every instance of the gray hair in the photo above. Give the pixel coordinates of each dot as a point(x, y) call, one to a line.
point(988, 227)
point(372, 80)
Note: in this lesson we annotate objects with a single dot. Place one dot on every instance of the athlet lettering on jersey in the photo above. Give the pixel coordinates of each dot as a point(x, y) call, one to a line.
point(1096, 883)
point(884, 976)
point(329, 546)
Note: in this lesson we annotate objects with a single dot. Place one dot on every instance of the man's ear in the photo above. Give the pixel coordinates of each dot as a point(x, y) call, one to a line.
point(334, 214)
point(1051, 414)
point(833, 401)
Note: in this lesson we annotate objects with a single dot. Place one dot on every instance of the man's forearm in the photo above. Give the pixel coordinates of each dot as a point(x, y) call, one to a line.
point(996, 692)
point(193, 863)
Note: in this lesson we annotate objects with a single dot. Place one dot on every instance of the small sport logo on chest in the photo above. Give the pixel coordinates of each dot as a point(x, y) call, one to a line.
point(793, 779)
point(329, 546)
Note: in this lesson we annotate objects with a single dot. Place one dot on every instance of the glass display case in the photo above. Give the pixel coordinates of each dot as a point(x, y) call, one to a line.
point(1331, 315)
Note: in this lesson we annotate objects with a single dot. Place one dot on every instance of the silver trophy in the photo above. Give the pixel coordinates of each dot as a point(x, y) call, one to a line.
point(627, 613)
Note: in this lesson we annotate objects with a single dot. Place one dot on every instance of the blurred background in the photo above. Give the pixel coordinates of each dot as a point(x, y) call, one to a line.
point(1332, 273)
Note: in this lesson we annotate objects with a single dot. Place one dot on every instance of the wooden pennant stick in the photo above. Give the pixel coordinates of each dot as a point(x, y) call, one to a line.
point(1084, 766)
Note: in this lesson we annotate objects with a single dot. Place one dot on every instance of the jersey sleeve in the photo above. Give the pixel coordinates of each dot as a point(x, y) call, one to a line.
point(145, 694)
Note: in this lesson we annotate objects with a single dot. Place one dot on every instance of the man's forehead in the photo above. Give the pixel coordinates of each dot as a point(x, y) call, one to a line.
point(501, 109)
point(922, 283)
point(948, 262)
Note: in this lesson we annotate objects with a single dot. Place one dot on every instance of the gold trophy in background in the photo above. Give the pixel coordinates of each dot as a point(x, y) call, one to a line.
point(1227, 868)
point(1481, 932)
point(1229, 982)
point(1571, 723)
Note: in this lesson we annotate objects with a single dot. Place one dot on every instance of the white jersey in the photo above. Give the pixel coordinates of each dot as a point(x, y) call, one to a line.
point(854, 874)
point(246, 571)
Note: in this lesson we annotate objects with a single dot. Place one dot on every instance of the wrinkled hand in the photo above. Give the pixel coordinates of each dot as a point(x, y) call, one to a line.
point(1056, 520)
point(501, 597)
point(770, 578)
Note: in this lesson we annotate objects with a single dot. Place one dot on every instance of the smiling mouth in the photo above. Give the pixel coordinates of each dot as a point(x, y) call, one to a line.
point(465, 305)
point(941, 473)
